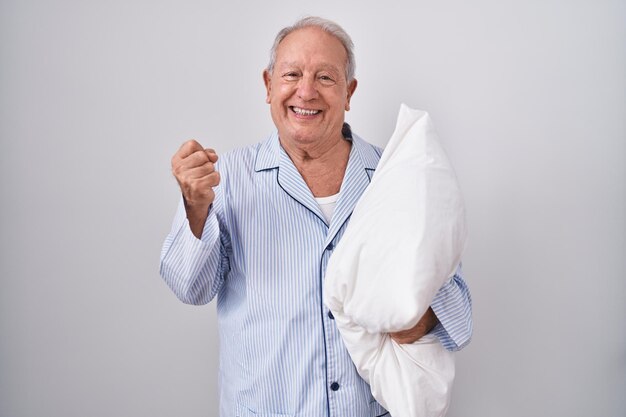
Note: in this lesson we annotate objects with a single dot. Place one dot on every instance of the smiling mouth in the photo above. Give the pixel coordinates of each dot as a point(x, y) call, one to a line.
point(304, 112)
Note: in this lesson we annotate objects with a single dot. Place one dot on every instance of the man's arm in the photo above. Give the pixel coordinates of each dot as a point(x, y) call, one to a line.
point(449, 316)
point(424, 326)
point(193, 258)
point(194, 268)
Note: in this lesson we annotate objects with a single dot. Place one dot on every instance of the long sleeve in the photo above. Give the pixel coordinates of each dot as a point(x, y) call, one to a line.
point(194, 268)
point(453, 307)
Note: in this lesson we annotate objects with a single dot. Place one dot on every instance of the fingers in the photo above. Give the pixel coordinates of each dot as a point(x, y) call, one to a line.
point(192, 155)
point(426, 323)
point(187, 149)
point(195, 160)
point(205, 173)
point(194, 169)
point(210, 153)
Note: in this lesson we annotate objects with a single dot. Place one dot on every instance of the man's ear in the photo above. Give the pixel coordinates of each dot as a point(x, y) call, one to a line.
point(267, 79)
point(351, 87)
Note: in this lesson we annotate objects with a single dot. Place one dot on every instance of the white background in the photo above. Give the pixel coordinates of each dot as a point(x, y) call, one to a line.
point(529, 98)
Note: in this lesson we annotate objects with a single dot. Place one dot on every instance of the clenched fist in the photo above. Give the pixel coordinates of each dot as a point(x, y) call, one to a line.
point(194, 169)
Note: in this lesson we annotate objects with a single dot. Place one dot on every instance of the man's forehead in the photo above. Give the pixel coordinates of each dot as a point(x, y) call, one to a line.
point(311, 45)
point(327, 66)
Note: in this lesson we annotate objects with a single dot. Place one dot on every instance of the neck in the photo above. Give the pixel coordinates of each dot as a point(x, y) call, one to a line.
point(328, 152)
point(322, 167)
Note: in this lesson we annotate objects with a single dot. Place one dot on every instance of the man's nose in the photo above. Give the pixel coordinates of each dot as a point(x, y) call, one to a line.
point(307, 89)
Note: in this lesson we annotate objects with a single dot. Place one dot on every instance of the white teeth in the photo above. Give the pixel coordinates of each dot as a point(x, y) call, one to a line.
point(305, 112)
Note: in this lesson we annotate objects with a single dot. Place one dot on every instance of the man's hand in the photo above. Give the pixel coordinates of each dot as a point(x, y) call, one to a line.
point(194, 169)
point(428, 321)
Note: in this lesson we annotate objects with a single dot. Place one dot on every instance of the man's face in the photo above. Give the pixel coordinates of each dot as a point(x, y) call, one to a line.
point(308, 92)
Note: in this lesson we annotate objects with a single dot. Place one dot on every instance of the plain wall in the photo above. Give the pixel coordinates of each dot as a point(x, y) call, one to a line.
point(529, 98)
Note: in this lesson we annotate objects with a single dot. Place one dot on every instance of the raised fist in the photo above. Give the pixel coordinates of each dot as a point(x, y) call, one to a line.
point(194, 169)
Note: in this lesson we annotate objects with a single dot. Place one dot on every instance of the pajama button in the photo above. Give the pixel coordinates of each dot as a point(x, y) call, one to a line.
point(330, 315)
point(330, 246)
point(334, 386)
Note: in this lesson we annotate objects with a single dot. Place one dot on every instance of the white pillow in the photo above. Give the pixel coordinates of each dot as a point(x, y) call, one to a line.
point(404, 241)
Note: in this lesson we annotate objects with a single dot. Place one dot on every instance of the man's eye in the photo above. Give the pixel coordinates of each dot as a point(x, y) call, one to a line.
point(290, 76)
point(326, 79)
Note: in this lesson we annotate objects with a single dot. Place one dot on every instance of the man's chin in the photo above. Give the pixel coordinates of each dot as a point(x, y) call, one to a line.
point(301, 136)
point(309, 136)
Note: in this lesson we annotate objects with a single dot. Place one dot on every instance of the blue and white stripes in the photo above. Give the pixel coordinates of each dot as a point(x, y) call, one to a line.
point(453, 308)
point(263, 252)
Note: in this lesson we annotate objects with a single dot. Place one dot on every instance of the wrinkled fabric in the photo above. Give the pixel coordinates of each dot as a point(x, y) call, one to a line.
point(404, 241)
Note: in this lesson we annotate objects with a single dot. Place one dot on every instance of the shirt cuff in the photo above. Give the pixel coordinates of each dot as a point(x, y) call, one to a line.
point(453, 307)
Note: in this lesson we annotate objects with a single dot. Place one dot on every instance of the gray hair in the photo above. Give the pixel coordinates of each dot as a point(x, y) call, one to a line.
point(327, 26)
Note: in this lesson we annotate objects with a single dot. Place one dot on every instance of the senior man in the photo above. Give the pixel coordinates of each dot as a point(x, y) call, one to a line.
point(257, 230)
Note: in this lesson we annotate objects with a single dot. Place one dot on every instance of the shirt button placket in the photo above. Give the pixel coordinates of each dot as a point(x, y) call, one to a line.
point(331, 340)
point(329, 250)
